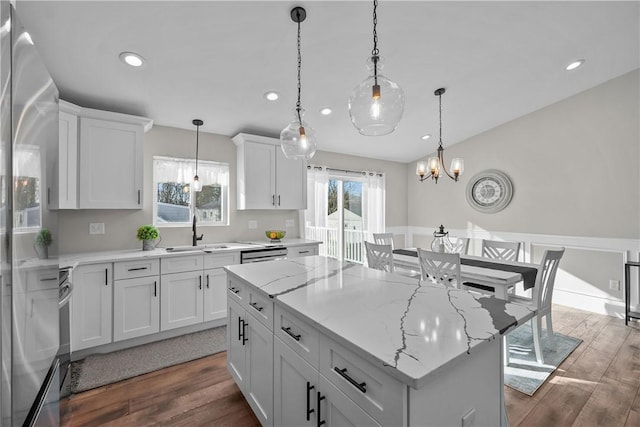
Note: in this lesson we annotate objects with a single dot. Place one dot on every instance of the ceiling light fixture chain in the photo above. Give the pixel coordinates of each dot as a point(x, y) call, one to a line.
point(298, 139)
point(434, 165)
point(375, 52)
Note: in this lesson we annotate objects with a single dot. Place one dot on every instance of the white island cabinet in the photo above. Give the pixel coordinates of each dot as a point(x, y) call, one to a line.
point(356, 346)
point(91, 306)
point(266, 179)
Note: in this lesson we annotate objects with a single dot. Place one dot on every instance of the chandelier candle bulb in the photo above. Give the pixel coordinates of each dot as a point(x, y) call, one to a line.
point(457, 166)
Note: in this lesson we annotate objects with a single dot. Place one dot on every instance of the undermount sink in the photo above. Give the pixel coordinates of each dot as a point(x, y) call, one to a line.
point(184, 249)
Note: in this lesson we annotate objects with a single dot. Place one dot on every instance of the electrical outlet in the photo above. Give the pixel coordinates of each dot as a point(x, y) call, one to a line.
point(289, 223)
point(614, 285)
point(96, 228)
point(469, 418)
point(253, 224)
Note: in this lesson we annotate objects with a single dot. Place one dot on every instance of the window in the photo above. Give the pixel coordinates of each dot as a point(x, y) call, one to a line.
point(26, 188)
point(174, 199)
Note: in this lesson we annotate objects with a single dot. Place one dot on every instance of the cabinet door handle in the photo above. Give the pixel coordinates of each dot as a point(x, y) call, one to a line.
point(303, 252)
point(240, 329)
point(309, 410)
point(155, 288)
point(137, 269)
point(278, 200)
point(138, 196)
point(255, 306)
point(343, 373)
point(287, 330)
point(199, 282)
point(273, 199)
point(244, 332)
point(48, 195)
point(207, 281)
point(320, 420)
point(106, 277)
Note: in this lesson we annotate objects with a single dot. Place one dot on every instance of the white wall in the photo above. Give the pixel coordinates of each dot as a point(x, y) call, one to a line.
point(574, 168)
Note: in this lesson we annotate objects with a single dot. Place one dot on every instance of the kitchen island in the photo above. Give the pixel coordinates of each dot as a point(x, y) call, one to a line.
point(315, 340)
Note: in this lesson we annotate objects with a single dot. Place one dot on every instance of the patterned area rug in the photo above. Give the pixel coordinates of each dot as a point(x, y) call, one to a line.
point(523, 372)
point(101, 369)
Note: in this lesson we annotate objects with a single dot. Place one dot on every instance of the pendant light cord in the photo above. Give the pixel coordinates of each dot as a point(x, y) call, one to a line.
point(375, 52)
point(440, 112)
point(197, 144)
point(298, 104)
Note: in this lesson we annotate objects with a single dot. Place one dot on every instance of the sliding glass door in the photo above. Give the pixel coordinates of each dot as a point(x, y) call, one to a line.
point(345, 234)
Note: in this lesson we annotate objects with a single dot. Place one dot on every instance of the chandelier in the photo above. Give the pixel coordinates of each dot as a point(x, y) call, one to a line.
point(435, 165)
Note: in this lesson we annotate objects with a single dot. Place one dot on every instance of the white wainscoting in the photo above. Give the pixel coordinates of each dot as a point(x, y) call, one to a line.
point(585, 287)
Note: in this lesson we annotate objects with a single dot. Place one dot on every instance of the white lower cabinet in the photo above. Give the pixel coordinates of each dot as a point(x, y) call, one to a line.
point(250, 360)
point(91, 306)
point(215, 294)
point(136, 307)
point(182, 300)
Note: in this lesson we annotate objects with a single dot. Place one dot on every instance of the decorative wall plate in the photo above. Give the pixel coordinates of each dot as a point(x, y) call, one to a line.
point(489, 191)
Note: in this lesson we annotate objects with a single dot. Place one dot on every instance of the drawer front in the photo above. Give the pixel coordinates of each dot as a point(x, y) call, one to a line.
point(179, 264)
point(297, 334)
point(298, 251)
point(237, 291)
point(261, 307)
point(137, 268)
point(220, 260)
point(379, 394)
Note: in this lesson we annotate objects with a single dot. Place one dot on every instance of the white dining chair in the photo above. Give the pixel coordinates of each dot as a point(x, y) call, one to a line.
point(460, 245)
point(379, 257)
point(439, 267)
point(383, 239)
point(505, 251)
point(541, 298)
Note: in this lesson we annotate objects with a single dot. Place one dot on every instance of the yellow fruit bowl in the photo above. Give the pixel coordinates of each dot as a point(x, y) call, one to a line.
point(275, 235)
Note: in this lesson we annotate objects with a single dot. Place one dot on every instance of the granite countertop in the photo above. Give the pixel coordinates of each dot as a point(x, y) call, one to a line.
point(73, 260)
point(412, 329)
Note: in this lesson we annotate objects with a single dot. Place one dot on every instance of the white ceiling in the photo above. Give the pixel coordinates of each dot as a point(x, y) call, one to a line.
point(214, 60)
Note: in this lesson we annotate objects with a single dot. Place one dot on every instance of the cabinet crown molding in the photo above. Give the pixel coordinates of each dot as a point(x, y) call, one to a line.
point(68, 107)
point(241, 138)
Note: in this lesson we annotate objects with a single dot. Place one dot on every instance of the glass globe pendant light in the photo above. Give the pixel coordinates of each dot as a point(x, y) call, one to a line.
point(298, 139)
point(376, 105)
point(196, 184)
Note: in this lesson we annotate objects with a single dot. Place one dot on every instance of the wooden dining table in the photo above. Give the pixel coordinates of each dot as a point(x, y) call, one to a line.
point(499, 275)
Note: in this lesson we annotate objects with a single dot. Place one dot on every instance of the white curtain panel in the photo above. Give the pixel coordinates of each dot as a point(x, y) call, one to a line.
point(373, 204)
point(315, 216)
point(170, 169)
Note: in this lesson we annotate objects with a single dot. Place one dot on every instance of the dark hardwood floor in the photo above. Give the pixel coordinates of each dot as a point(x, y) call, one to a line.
point(597, 385)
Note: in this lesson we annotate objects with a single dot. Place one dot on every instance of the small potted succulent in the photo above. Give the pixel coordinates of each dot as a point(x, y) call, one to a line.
point(42, 242)
point(148, 234)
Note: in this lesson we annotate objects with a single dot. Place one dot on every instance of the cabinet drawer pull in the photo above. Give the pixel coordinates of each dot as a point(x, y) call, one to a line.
point(303, 252)
point(255, 306)
point(343, 373)
point(320, 420)
point(48, 279)
point(309, 410)
point(287, 330)
point(234, 290)
point(137, 268)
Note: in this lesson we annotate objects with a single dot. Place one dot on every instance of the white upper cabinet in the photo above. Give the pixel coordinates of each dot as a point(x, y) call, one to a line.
point(101, 159)
point(266, 178)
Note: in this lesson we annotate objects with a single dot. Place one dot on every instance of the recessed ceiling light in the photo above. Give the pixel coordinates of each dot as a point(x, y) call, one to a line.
point(425, 137)
point(132, 59)
point(325, 111)
point(575, 64)
point(271, 96)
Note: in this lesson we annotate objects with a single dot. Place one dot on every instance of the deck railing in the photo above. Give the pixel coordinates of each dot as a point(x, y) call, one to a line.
point(353, 242)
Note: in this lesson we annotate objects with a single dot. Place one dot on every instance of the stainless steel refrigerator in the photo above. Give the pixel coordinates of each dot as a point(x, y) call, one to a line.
point(29, 277)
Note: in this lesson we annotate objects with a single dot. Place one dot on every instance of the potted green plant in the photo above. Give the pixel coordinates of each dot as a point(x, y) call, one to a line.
point(148, 234)
point(42, 242)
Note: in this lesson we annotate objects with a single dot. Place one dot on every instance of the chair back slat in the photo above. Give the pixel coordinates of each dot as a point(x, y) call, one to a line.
point(439, 267)
point(379, 257)
point(546, 278)
point(383, 239)
point(505, 251)
point(460, 245)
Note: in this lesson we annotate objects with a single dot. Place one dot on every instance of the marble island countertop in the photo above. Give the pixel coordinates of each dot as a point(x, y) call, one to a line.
point(412, 329)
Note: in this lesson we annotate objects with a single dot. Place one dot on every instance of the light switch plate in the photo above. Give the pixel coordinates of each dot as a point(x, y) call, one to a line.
point(290, 223)
point(253, 224)
point(96, 228)
point(614, 285)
